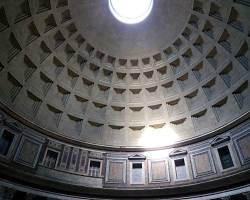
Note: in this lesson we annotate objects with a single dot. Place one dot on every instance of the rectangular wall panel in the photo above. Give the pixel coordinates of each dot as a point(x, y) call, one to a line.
point(116, 171)
point(242, 143)
point(158, 171)
point(73, 160)
point(202, 163)
point(83, 161)
point(28, 151)
point(65, 157)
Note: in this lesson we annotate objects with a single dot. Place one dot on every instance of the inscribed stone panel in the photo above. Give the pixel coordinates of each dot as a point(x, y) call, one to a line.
point(116, 171)
point(244, 146)
point(158, 170)
point(28, 152)
point(202, 163)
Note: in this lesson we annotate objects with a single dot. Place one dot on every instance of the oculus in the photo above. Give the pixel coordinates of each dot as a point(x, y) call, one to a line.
point(130, 11)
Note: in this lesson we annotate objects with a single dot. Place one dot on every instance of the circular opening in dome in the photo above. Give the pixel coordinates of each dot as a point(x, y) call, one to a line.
point(130, 11)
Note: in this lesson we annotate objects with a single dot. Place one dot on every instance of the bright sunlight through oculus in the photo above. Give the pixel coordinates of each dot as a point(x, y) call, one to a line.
point(130, 11)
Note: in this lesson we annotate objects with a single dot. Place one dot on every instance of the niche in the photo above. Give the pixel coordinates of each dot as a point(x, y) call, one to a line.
point(94, 168)
point(180, 169)
point(51, 159)
point(225, 157)
point(223, 151)
point(6, 140)
point(137, 169)
point(137, 173)
point(179, 162)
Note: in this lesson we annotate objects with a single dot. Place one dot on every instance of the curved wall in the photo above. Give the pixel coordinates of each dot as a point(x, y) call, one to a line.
point(40, 161)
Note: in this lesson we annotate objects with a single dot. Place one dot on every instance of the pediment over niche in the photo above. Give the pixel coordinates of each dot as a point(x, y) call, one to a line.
point(219, 140)
point(137, 157)
point(13, 125)
point(178, 152)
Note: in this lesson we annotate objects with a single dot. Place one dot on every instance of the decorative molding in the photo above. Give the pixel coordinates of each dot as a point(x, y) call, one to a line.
point(219, 140)
point(137, 157)
point(206, 170)
point(13, 125)
point(162, 171)
point(28, 151)
point(243, 148)
point(120, 167)
point(178, 152)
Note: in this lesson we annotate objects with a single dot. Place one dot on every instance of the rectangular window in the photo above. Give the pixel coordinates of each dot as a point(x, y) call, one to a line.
point(137, 176)
point(225, 157)
point(5, 142)
point(94, 168)
point(180, 169)
point(51, 159)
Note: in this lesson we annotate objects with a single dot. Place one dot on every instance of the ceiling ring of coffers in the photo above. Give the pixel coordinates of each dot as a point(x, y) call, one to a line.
point(186, 55)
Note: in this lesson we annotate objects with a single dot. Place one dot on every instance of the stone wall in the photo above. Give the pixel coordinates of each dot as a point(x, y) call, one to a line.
point(55, 161)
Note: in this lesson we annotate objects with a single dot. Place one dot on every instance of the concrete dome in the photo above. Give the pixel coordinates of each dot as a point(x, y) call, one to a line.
point(72, 69)
point(86, 101)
